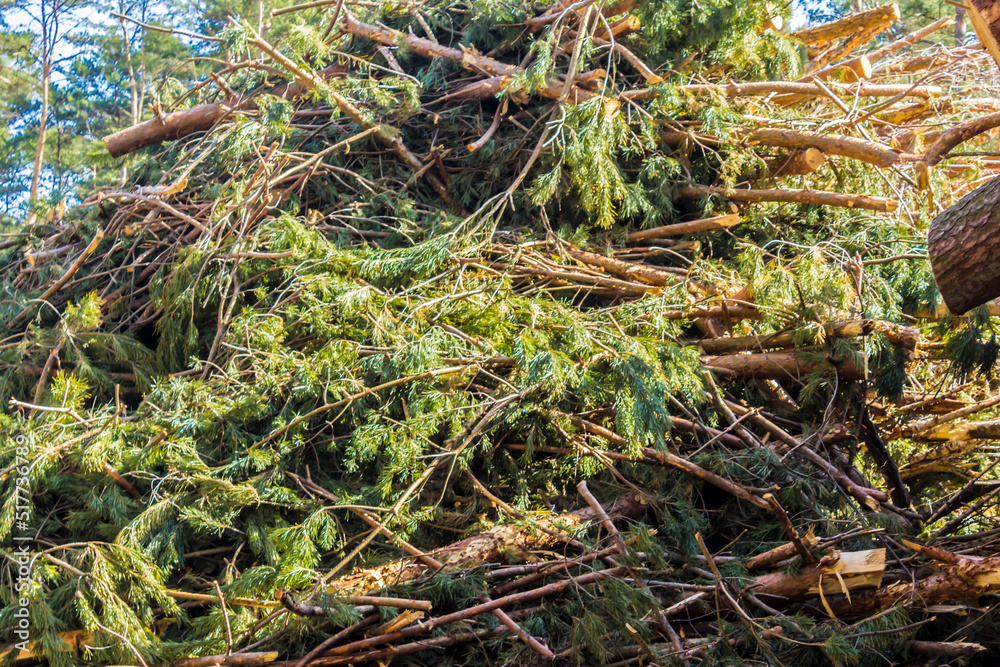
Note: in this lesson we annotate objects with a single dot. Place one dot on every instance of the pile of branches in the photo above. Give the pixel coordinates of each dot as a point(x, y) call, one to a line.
point(480, 333)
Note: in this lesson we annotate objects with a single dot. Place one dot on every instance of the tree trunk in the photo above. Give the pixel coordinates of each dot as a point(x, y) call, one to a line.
point(963, 242)
point(990, 9)
point(36, 172)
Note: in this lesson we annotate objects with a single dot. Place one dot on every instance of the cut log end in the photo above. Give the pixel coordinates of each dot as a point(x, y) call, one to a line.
point(797, 163)
point(856, 69)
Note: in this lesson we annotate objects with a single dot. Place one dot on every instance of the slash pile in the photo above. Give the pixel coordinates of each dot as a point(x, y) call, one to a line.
point(477, 333)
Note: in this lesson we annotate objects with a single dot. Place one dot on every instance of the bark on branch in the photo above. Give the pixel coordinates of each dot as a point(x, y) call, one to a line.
point(857, 149)
point(828, 33)
point(781, 366)
point(179, 124)
point(469, 60)
point(819, 197)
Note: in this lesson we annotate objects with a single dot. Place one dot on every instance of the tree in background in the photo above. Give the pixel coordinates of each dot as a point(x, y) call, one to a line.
point(15, 101)
point(71, 72)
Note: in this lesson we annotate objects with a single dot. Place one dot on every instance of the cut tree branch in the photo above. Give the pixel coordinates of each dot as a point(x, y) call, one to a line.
point(819, 197)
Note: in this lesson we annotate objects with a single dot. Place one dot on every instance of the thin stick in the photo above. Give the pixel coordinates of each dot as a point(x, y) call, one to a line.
point(516, 598)
point(793, 534)
point(481, 141)
point(340, 636)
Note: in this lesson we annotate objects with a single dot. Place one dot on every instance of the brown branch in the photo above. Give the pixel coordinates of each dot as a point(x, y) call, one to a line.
point(795, 88)
point(308, 658)
point(690, 227)
point(857, 149)
point(848, 329)
point(793, 534)
point(481, 141)
point(883, 460)
point(387, 654)
point(734, 312)
point(926, 425)
point(870, 498)
point(302, 609)
point(832, 31)
point(676, 461)
point(465, 614)
point(782, 553)
point(818, 197)
point(797, 163)
point(231, 659)
point(959, 134)
point(179, 124)
point(50, 361)
point(911, 38)
point(950, 649)
point(121, 481)
point(641, 272)
point(782, 365)
point(469, 60)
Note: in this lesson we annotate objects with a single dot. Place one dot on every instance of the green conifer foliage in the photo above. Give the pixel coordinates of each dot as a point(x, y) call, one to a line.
point(257, 393)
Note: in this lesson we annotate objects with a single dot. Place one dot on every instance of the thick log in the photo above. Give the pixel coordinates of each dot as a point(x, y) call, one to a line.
point(797, 163)
point(903, 114)
point(965, 582)
point(897, 334)
point(984, 22)
point(856, 570)
point(781, 366)
point(826, 34)
point(179, 124)
point(168, 127)
point(831, 144)
point(961, 432)
point(619, 30)
point(963, 244)
point(945, 420)
point(861, 66)
point(848, 329)
point(727, 312)
point(915, 64)
point(864, 34)
point(819, 197)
